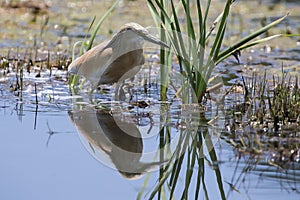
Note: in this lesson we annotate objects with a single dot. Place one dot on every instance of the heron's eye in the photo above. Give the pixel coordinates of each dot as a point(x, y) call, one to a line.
point(129, 29)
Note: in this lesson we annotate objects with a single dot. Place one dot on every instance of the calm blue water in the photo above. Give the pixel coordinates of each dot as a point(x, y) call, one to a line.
point(36, 167)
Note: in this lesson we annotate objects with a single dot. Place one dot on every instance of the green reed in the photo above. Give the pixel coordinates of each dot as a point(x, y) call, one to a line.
point(192, 40)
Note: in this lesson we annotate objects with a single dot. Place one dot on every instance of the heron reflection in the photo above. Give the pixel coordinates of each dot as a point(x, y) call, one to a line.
point(112, 140)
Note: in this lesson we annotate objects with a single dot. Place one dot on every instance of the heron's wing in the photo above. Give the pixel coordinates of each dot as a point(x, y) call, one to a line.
point(92, 62)
point(123, 67)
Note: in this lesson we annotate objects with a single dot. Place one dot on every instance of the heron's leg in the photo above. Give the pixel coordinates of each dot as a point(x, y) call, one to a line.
point(117, 88)
point(90, 94)
point(82, 83)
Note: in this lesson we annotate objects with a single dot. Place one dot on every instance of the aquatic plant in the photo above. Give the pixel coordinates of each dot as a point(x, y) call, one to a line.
point(277, 100)
point(267, 119)
point(198, 51)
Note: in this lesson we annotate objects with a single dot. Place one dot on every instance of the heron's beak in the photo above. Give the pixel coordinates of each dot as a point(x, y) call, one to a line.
point(155, 40)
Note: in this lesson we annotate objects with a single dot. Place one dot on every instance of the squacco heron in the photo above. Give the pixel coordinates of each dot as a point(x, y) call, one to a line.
point(117, 59)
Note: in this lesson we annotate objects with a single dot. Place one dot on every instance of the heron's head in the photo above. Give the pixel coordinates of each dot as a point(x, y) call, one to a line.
point(140, 32)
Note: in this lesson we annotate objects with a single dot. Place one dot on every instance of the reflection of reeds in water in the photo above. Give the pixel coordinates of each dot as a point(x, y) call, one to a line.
point(185, 172)
point(247, 165)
